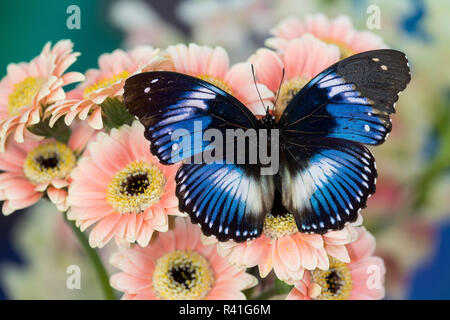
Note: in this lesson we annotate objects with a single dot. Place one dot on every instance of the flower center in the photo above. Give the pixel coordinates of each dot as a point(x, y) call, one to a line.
point(279, 222)
point(344, 49)
point(276, 227)
point(336, 282)
point(53, 160)
point(23, 94)
point(105, 83)
point(182, 275)
point(288, 91)
point(136, 187)
point(217, 82)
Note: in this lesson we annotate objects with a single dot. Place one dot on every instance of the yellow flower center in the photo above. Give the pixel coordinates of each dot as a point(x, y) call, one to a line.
point(279, 226)
point(288, 91)
point(336, 282)
point(182, 275)
point(53, 160)
point(344, 49)
point(105, 83)
point(217, 82)
point(136, 187)
point(23, 94)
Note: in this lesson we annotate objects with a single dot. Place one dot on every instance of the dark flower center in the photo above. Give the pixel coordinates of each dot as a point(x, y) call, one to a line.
point(334, 282)
point(49, 161)
point(183, 275)
point(136, 184)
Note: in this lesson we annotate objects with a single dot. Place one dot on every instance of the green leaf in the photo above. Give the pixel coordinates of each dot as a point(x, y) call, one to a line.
point(282, 287)
point(114, 114)
point(60, 131)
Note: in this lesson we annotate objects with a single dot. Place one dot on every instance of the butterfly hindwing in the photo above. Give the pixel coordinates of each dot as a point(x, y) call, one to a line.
point(326, 182)
point(227, 200)
point(350, 100)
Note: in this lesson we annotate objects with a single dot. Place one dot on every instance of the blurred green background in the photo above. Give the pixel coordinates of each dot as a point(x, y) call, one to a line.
point(28, 24)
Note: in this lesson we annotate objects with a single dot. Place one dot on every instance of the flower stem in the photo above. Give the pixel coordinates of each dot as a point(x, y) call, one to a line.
point(102, 275)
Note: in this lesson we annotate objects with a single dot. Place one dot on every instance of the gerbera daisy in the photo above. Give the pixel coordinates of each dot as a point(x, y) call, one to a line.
point(33, 168)
point(287, 251)
point(338, 31)
point(122, 188)
point(360, 279)
point(303, 58)
point(212, 65)
point(177, 266)
point(28, 87)
point(105, 82)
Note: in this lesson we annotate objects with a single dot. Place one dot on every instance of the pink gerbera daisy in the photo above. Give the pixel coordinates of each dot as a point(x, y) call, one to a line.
point(122, 188)
point(33, 168)
point(28, 87)
point(339, 31)
point(287, 251)
point(177, 266)
point(212, 65)
point(105, 82)
point(303, 58)
point(360, 279)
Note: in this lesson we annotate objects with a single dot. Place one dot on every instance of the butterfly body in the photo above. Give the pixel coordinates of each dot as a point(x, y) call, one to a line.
point(324, 172)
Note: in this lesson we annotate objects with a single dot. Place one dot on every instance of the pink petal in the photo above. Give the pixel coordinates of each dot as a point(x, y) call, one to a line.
point(218, 65)
point(95, 119)
point(288, 252)
point(103, 231)
point(363, 247)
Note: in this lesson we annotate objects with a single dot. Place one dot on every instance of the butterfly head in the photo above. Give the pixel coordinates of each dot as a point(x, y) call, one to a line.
point(269, 121)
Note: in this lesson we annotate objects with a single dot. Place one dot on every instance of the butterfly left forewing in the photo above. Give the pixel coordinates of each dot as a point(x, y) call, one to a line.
point(168, 102)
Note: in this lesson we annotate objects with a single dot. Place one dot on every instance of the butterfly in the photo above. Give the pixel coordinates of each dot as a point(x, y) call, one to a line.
point(326, 173)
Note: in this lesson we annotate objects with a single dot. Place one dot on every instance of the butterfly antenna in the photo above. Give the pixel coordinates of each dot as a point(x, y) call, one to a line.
point(279, 88)
point(256, 86)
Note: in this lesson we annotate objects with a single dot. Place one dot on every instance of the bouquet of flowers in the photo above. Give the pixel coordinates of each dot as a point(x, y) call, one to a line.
point(85, 153)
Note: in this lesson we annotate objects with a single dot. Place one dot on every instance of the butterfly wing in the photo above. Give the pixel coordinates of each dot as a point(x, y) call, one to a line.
point(169, 102)
point(325, 182)
point(350, 100)
point(323, 129)
point(228, 200)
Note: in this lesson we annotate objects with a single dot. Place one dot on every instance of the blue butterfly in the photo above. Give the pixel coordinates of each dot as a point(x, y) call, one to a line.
point(325, 172)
